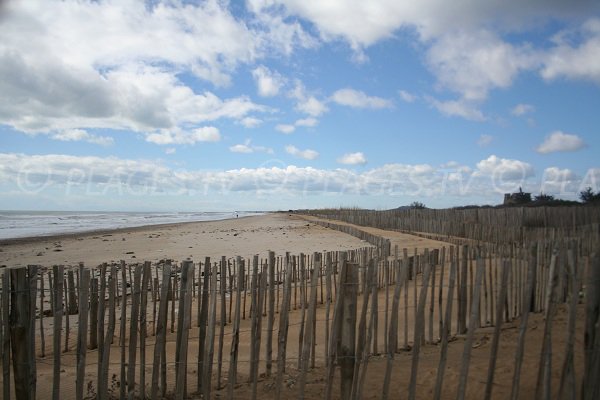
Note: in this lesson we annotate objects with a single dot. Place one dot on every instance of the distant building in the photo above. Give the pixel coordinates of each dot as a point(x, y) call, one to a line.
point(519, 197)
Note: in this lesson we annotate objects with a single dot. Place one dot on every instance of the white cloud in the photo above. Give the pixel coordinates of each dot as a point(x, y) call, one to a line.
point(472, 63)
point(357, 99)
point(268, 82)
point(560, 141)
point(306, 154)
point(311, 106)
point(406, 96)
point(457, 108)
point(170, 150)
point(306, 103)
point(559, 181)
point(522, 109)
point(248, 148)
point(116, 65)
point(204, 134)
point(503, 169)
point(357, 158)
point(576, 54)
point(484, 140)
point(76, 135)
point(250, 122)
point(285, 128)
point(308, 122)
point(29, 175)
point(362, 24)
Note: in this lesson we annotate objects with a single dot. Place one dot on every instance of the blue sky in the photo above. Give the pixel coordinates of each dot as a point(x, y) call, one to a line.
point(277, 104)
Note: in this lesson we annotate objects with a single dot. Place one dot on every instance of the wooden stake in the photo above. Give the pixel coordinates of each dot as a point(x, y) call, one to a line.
point(527, 305)
point(82, 333)
point(58, 273)
point(161, 324)
point(306, 347)
point(202, 323)
point(20, 334)
point(183, 328)
point(497, 329)
point(235, 335)
point(464, 371)
point(283, 328)
point(419, 330)
point(445, 332)
point(146, 275)
point(223, 319)
point(6, 335)
point(271, 313)
point(347, 345)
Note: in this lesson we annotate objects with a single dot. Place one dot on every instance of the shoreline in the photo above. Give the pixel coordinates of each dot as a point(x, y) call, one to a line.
point(245, 236)
point(137, 228)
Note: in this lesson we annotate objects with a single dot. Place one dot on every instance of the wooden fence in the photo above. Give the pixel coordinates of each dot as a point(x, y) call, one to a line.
point(492, 225)
point(219, 327)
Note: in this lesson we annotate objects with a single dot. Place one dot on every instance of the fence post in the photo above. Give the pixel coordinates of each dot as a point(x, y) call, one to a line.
point(347, 345)
point(20, 332)
point(58, 311)
point(82, 332)
point(5, 334)
point(161, 329)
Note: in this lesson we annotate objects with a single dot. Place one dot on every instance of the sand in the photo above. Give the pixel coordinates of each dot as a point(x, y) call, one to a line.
point(281, 233)
point(245, 237)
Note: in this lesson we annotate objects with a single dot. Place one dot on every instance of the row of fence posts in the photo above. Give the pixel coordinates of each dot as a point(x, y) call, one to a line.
point(491, 285)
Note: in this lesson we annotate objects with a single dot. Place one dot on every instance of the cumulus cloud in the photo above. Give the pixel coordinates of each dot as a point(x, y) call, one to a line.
point(62, 68)
point(472, 63)
point(306, 154)
point(307, 103)
point(250, 122)
point(76, 135)
point(311, 106)
point(34, 174)
point(522, 109)
point(268, 82)
point(285, 128)
point(560, 142)
point(204, 134)
point(357, 99)
point(504, 169)
point(248, 148)
point(357, 158)
point(575, 54)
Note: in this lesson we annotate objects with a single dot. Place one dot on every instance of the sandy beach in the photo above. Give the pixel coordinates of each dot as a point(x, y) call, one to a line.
point(278, 232)
point(281, 232)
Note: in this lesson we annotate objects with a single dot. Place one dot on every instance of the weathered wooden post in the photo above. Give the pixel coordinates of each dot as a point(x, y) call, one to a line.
point(20, 334)
point(347, 345)
point(133, 331)
point(57, 295)
point(473, 322)
point(82, 332)
point(5, 333)
point(161, 330)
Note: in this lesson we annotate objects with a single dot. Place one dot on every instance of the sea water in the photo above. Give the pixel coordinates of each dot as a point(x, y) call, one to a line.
point(20, 224)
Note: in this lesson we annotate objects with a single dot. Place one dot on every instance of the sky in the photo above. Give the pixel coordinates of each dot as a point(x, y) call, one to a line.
point(131, 105)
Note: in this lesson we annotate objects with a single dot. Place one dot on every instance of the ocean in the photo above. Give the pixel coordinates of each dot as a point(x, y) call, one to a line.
point(20, 224)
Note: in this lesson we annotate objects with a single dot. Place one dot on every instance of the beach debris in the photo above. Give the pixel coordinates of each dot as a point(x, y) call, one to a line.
point(130, 252)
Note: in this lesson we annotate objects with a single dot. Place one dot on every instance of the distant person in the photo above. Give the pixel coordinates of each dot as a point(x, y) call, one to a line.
point(236, 214)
